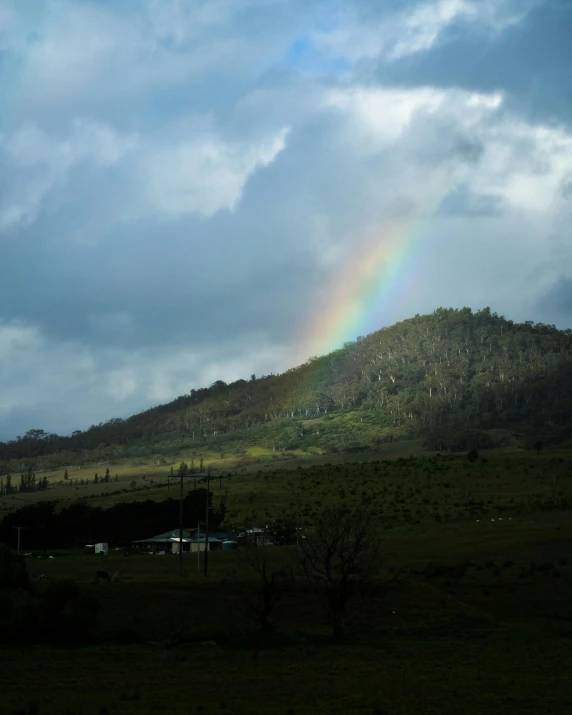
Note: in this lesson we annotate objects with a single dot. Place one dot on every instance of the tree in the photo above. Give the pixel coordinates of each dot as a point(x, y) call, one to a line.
point(133, 484)
point(472, 455)
point(339, 558)
point(270, 579)
point(538, 446)
point(96, 479)
point(36, 434)
point(66, 475)
point(107, 475)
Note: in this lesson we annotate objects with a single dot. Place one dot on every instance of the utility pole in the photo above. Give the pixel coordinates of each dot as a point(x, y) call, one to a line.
point(554, 490)
point(181, 529)
point(198, 547)
point(19, 528)
point(298, 518)
point(181, 498)
point(206, 561)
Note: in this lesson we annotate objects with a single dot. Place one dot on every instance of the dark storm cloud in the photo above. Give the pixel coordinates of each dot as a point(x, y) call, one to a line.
point(556, 304)
point(531, 61)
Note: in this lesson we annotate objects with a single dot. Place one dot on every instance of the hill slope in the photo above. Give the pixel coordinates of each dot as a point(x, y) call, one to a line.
point(435, 376)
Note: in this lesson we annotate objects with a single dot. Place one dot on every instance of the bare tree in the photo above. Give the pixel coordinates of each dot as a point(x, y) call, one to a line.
point(262, 581)
point(340, 558)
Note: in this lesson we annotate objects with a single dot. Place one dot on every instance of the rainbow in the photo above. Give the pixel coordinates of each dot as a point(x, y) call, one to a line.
point(375, 278)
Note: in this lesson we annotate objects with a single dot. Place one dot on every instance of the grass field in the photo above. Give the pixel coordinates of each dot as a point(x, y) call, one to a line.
point(478, 616)
point(407, 494)
point(481, 622)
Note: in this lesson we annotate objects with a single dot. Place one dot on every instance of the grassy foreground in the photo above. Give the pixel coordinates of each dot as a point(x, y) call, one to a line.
point(478, 618)
point(454, 635)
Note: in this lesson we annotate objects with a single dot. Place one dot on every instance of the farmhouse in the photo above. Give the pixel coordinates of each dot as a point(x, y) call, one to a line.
point(168, 543)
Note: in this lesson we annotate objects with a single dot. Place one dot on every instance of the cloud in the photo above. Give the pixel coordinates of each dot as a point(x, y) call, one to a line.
point(415, 29)
point(41, 376)
point(556, 304)
point(35, 164)
point(190, 174)
point(205, 176)
point(384, 115)
point(527, 166)
point(183, 185)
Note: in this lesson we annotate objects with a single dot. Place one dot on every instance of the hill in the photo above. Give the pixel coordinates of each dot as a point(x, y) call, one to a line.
point(455, 378)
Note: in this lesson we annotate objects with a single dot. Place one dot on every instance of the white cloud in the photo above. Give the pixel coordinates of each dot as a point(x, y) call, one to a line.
point(206, 175)
point(70, 385)
point(420, 30)
point(384, 115)
point(105, 55)
point(416, 29)
point(526, 165)
point(38, 163)
point(173, 176)
point(523, 164)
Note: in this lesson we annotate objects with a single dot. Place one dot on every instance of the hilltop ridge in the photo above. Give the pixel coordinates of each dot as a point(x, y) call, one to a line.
point(446, 377)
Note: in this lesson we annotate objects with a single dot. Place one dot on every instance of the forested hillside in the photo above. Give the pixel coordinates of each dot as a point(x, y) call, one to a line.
point(440, 376)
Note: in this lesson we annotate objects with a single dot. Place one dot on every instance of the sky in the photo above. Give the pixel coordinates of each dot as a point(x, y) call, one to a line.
point(195, 190)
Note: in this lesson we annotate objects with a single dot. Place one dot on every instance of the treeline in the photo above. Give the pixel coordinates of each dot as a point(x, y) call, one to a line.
point(450, 369)
point(28, 483)
point(79, 523)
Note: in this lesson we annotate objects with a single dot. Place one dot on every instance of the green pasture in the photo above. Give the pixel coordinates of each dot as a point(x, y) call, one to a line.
point(155, 469)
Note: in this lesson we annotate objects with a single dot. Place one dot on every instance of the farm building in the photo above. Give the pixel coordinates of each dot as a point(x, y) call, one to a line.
point(256, 536)
point(101, 548)
point(168, 543)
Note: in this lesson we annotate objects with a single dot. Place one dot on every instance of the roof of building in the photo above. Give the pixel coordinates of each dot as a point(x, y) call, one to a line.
point(172, 533)
point(159, 540)
point(168, 539)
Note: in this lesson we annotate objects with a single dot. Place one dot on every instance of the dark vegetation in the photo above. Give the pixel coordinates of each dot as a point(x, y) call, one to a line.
point(463, 606)
point(61, 612)
point(450, 377)
point(80, 523)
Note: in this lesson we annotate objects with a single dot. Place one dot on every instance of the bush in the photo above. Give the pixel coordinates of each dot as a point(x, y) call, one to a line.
point(65, 612)
point(472, 455)
point(62, 613)
point(13, 573)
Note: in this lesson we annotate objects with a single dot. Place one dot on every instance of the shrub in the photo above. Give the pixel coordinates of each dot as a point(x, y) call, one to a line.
point(13, 573)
